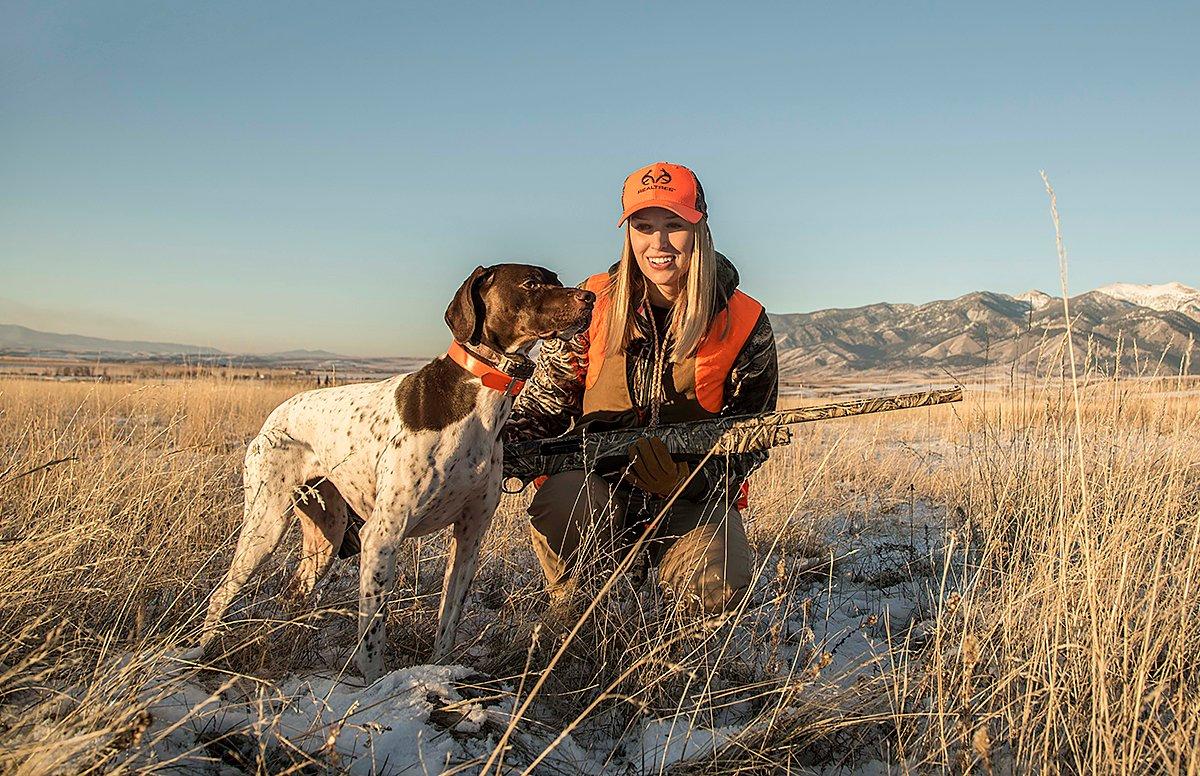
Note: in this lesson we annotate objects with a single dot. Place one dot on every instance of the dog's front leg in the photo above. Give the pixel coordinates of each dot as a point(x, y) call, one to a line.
point(376, 577)
point(460, 570)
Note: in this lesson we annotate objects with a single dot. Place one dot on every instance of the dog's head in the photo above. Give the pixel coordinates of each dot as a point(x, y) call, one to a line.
point(510, 306)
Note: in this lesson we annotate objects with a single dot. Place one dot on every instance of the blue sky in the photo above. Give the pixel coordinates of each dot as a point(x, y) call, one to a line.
point(262, 176)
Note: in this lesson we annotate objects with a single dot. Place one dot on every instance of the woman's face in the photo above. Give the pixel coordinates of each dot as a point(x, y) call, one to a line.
point(662, 244)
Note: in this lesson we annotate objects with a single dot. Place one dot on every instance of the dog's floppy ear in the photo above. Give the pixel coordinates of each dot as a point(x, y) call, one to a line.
point(464, 316)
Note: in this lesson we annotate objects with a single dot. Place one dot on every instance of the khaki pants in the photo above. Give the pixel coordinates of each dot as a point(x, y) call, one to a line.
point(700, 549)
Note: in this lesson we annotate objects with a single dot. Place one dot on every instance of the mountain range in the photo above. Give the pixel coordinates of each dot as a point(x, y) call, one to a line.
point(23, 341)
point(1141, 323)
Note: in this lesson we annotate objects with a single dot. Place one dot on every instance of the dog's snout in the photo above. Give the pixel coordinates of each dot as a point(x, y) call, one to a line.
point(586, 297)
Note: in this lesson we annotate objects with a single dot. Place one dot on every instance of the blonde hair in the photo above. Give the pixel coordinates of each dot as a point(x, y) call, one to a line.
point(692, 310)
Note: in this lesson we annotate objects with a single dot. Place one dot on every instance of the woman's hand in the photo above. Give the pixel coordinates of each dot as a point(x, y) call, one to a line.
point(652, 469)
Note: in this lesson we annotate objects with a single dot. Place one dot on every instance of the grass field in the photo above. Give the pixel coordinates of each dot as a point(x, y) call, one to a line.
point(1008, 585)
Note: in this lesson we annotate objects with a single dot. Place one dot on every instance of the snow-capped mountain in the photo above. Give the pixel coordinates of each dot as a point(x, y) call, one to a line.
point(1164, 297)
point(984, 328)
point(1036, 299)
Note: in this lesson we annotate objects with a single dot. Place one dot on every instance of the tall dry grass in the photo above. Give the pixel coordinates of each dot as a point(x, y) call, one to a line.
point(1061, 636)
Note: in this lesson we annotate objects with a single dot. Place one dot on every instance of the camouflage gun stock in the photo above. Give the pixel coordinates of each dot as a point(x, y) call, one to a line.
point(742, 434)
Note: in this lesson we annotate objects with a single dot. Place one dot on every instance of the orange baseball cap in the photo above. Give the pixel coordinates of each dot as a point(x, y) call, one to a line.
point(667, 185)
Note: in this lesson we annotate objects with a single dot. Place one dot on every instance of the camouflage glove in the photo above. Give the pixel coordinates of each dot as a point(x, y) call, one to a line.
point(652, 469)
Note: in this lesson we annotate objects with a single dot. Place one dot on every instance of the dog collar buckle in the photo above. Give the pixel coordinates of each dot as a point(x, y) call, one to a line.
point(507, 375)
point(516, 366)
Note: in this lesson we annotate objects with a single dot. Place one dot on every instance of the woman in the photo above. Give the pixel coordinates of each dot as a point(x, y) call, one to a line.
point(671, 340)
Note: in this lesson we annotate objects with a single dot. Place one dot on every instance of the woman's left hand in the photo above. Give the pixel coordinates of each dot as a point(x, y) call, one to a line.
point(652, 469)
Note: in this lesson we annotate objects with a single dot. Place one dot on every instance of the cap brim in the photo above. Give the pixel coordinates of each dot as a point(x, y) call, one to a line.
point(689, 214)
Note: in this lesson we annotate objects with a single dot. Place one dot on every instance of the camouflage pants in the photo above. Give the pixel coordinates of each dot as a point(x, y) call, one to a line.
point(700, 549)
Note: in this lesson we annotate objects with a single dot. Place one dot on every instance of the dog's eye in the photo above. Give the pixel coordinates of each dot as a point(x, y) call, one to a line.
point(529, 284)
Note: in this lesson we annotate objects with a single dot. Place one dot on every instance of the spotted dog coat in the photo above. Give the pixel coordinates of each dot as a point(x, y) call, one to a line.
point(414, 453)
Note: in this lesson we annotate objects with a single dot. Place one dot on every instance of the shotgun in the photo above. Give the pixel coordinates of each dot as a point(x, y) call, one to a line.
point(738, 434)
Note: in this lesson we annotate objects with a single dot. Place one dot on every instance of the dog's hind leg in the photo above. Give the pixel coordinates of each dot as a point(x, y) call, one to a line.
point(460, 570)
point(323, 515)
point(272, 472)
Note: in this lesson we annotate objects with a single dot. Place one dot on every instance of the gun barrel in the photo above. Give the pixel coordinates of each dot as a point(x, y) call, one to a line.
point(867, 406)
point(757, 430)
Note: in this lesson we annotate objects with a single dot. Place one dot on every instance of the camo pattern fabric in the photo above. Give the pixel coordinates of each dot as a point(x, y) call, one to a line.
point(552, 399)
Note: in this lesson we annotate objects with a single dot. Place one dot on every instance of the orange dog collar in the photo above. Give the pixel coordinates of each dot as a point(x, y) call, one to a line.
point(508, 375)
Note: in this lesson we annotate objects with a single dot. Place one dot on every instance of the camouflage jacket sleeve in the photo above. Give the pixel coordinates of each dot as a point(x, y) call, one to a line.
point(551, 401)
point(752, 388)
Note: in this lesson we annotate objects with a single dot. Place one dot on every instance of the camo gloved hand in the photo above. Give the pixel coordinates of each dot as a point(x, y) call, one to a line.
point(652, 469)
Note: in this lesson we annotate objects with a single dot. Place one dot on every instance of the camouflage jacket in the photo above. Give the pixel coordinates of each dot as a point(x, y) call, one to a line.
point(552, 399)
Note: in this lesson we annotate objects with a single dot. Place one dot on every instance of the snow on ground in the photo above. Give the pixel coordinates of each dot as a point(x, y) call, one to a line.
point(385, 728)
point(875, 577)
point(416, 720)
point(883, 582)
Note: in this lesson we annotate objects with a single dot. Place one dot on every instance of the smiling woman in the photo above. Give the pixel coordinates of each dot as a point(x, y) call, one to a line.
point(662, 243)
point(671, 340)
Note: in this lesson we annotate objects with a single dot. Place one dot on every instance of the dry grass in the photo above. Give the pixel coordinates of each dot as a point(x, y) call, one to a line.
point(1060, 633)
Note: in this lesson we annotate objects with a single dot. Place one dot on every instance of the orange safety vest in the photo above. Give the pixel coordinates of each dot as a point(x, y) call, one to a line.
point(728, 332)
point(703, 388)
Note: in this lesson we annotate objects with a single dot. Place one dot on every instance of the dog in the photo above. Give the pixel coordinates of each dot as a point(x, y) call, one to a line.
point(412, 454)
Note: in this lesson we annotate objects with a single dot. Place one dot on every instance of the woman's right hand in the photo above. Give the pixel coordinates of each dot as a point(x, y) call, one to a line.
point(652, 469)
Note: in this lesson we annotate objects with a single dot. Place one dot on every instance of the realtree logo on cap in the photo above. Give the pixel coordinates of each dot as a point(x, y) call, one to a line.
point(664, 177)
point(652, 181)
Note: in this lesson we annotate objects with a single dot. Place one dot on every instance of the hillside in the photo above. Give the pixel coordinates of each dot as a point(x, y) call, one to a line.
point(977, 329)
point(20, 339)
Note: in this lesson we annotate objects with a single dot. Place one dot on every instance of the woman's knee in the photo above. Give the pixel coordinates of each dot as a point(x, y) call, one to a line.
point(719, 588)
point(709, 567)
point(709, 592)
point(720, 597)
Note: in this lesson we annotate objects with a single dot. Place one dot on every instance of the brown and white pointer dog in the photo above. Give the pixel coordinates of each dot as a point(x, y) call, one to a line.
point(413, 454)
